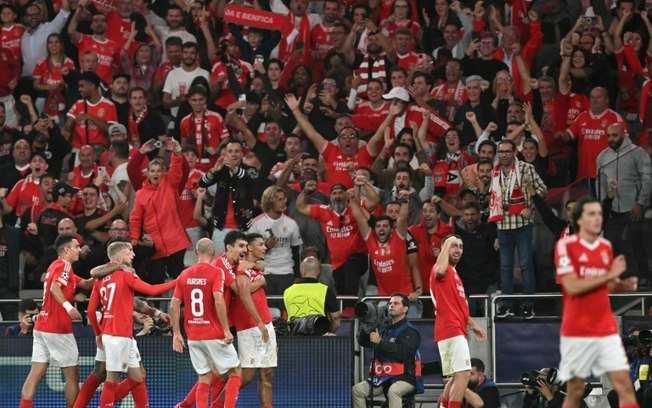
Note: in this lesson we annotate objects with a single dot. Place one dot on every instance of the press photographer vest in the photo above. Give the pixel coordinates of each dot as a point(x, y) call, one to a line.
point(385, 368)
point(305, 299)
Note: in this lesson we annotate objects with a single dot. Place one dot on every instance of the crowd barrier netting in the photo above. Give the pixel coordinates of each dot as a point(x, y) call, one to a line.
point(311, 372)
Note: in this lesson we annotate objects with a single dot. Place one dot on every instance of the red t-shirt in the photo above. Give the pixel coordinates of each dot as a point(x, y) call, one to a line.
point(321, 40)
point(587, 261)
point(26, 193)
point(337, 165)
point(116, 295)
point(451, 306)
point(342, 233)
point(407, 61)
point(187, 201)
point(106, 53)
point(590, 131)
point(426, 245)
point(365, 108)
point(104, 109)
point(241, 317)
point(51, 75)
point(207, 130)
point(389, 263)
point(244, 72)
point(120, 29)
point(10, 38)
point(53, 317)
point(195, 287)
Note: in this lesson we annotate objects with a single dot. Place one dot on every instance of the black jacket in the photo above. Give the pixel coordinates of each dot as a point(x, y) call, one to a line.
point(240, 187)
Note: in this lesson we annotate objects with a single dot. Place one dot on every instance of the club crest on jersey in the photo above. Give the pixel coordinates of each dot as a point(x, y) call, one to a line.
point(605, 257)
point(100, 112)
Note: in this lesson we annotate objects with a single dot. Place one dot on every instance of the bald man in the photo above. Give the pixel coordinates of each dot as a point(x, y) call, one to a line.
point(309, 296)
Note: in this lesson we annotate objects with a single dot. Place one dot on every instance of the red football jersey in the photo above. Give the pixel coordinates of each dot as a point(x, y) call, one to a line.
point(106, 53)
point(187, 201)
point(229, 280)
point(195, 287)
point(207, 130)
point(590, 131)
point(103, 109)
point(321, 40)
point(451, 306)
point(426, 245)
point(389, 263)
point(51, 75)
point(241, 317)
point(10, 38)
point(337, 165)
point(407, 61)
point(116, 295)
point(53, 317)
point(586, 260)
point(26, 193)
point(342, 233)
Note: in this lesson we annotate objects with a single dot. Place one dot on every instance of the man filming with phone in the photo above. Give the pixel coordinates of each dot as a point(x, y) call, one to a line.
point(395, 363)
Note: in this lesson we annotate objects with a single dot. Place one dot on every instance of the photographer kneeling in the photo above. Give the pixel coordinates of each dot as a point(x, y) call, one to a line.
point(395, 359)
point(638, 345)
point(543, 389)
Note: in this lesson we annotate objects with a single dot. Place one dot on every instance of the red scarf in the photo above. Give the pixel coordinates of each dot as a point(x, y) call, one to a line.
point(287, 47)
point(506, 193)
point(199, 132)
point(134, 121)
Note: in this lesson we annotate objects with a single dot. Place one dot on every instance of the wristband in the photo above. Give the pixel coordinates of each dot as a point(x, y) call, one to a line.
point(66, 305)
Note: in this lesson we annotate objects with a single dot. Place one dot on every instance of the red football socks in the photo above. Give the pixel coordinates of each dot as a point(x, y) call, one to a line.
point(232, 390)
point(87, 390)
point(26, 403)
point(108, 394)
point(454, 404)
point(201, 394)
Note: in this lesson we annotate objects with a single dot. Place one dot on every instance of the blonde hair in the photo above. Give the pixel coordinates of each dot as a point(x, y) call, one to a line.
point(116, 247)
point(269, 196)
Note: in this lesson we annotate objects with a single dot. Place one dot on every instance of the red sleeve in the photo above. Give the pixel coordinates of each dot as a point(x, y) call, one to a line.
point(175, 174)
point(633, 61)
point(92, 308)
point(367, 122)
point(185, 172)
point(218, 282)
point(178, 291)
point(134, 169)
point(147, 289)
point(136, 220)
point(533, 45)
point(315, 212)
point(573, 129)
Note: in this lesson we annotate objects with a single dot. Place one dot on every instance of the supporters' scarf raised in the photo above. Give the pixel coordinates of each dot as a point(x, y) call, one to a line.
point(198, 131)
point(262, 19)
point(506, 197)
point(134, 121)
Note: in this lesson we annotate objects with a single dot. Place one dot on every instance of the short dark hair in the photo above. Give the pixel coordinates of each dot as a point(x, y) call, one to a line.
point(252, 236)
point(62, 241)
point(26, 304)
point(174, 41)
point(472, 204)
point(189, 44)
point(198, 89)
point(120, 148)
point(232, 236)
point(478, 364)
point(509, 142)
point(487, 143)
point(93, 186)
point(383, 217)
point(407, 146)
point(486, 161)
point(404, 169)
point(404, 299)
point(137, 89)
point(121, 75)
point(579, 210)
point(90, 76)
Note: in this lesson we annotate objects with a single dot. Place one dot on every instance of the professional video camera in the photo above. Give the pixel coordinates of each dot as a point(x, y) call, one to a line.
point(644, 338)
point(532, 378)
point(370, 316)
point(311, 325)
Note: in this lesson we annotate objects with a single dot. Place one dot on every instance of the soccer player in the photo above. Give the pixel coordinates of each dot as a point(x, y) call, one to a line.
point(452, 311)
point(201, 288)
point(253, 322)
point(53, 339)
point(115, 292)
point(589, 340)
point(98, 375)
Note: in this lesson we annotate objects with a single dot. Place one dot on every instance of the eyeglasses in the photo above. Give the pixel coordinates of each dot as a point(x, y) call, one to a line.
point(343, 136)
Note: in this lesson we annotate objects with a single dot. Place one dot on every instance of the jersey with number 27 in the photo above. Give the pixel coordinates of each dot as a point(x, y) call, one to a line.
point(116, 294)
point(195, 287)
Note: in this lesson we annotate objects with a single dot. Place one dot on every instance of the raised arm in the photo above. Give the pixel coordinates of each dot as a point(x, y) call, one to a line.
point(302, 198)
point(443, 260)
point(372, 145)
point(535, 129)
point(308, 129)
point(358, 215)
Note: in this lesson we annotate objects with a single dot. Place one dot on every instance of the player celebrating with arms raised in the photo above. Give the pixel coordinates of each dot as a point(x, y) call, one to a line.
point(589, 334)
point(53, 338)
point(201, 288)
point(115, 292)
point(452, 311)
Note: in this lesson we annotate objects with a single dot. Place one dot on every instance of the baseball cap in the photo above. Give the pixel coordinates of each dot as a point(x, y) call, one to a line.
point(397, 93)
point(338, 186)
point(117, 127)
point(62, 188)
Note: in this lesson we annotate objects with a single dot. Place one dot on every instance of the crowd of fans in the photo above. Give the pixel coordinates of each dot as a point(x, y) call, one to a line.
point(365, 131)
